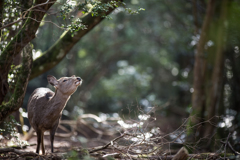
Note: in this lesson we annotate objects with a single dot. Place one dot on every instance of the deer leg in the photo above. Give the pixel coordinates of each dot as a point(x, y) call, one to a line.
point(39, 135)
point(42, 143)
point(52, 133)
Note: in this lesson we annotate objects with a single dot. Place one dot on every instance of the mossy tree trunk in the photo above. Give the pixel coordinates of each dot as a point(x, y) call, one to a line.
point(15, 46)
point(20, 86)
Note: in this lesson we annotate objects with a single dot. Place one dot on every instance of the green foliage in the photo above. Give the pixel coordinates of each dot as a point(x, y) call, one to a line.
point(76, 26)
point(66, 9)
point(130, 11)
point(10, 127)
point(10, 132)
point(76, 154)
point(93, 7)
point(10, 13)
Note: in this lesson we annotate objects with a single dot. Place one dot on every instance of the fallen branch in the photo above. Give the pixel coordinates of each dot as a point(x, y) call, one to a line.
point(95, 149)
point(18, 152)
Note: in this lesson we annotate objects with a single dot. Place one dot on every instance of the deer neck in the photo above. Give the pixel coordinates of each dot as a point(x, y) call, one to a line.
point(59, 101)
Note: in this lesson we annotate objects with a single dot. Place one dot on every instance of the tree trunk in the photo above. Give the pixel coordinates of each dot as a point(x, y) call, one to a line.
point(217, 75)
point(15, 46)
point(198, 98)
point(20, 88)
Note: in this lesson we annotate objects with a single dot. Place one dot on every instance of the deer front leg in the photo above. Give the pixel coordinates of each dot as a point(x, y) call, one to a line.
point(42, 143)
point(39, 136)
point(52, 134)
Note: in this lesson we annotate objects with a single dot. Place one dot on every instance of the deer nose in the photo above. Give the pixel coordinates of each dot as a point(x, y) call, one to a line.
point(78, 78)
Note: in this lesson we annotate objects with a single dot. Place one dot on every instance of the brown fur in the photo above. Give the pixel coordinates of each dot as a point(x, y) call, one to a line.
point(45, 107)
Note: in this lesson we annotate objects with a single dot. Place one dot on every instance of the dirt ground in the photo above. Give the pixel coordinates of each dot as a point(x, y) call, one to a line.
point(64, 144)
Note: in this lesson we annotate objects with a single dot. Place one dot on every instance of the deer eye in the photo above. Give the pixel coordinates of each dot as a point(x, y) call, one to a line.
point(64, 80)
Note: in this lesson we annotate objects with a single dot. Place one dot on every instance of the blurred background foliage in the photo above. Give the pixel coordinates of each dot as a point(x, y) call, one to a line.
point(132, 60)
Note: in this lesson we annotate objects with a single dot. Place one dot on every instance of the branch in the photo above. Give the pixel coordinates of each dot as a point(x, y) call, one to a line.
point(57, 52)
point(108, 144)
point(230, 146)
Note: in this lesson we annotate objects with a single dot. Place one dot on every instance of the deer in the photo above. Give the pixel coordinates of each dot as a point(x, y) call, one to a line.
point(45, 106)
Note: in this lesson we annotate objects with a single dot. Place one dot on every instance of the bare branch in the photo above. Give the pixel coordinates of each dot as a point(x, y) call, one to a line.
point(108, 144)
point(23, 15)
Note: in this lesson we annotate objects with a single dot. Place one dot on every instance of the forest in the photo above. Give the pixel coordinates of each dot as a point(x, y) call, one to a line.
point(160, 79)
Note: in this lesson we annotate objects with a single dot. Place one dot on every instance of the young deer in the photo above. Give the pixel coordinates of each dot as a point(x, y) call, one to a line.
point(45, 107)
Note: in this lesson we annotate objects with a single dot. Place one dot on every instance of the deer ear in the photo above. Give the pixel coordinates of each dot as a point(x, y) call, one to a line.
point(52, 80)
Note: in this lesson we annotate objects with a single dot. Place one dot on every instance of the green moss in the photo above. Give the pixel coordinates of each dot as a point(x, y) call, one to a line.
point(17, 98)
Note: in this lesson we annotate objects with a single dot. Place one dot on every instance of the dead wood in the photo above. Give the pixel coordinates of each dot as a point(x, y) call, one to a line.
point(95, 149)
point(182, 154)
point(18, 152)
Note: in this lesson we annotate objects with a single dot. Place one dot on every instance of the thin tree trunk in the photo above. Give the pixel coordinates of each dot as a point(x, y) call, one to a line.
point(195, 15)
point(198, 98)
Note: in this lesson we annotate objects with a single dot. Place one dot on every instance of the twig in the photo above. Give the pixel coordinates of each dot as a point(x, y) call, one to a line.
point(235, 152)
point(108, 144)
point(23, 15)
point(46, 22)
point(230, 146)
point(225, 147)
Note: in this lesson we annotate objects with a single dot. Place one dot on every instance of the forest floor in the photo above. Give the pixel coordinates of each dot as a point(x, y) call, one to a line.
point(89, 138)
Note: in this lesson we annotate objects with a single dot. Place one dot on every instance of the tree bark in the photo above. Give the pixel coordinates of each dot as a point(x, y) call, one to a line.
point(198, 98)
point(15, 46)
point(23, 76)
point(1, 16)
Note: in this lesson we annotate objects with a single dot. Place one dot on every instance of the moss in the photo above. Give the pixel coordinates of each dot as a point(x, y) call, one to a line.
point(17, 98)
